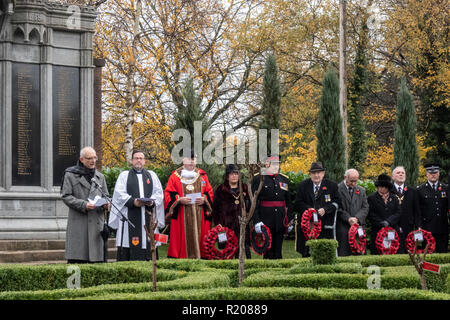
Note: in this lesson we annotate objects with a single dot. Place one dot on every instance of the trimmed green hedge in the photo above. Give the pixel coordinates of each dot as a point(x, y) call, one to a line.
point(134, 279)
point(197, 280)
point(49, 277)
point(438, 282)
point(334, 268)
point(323, 251)
point(394, 260)
point(343, 281)
point(281, 294)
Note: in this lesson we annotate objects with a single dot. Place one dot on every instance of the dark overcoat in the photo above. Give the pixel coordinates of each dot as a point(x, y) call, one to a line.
point(83, 240)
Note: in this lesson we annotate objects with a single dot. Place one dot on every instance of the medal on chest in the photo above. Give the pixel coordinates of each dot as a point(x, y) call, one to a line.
point(236, 199)
point(190, 187)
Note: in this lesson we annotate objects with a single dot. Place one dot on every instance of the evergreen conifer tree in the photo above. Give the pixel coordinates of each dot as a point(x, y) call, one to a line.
point(330, 142)
point(357, 91)
point(271, 99)
point(405, 145)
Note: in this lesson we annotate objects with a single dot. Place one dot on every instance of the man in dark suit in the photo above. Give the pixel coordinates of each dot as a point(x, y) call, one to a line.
point(384, 209)
point(409, 202)
point(320, 194)
point(354, 209)
point(273, 204)
point(433, 201)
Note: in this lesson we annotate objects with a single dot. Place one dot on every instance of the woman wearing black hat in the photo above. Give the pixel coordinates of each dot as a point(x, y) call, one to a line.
point(384, 209)
point(226, 207)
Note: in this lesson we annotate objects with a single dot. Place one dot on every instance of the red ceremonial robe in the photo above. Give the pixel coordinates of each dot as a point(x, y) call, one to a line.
point(189, 223)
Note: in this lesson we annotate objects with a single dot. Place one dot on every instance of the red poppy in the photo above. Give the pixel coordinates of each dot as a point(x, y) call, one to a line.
point(393, 244)
point(211, 252)
point(357, 191)
point(427, 236)
point(357, 247)
point(310, 233)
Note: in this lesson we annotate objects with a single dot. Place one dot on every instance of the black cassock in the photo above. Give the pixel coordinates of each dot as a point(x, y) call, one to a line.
point(135, 236)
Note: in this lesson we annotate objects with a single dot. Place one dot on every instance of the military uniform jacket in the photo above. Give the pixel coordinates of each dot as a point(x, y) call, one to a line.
point(434, 207)
point(327, 198)
point(275, 188)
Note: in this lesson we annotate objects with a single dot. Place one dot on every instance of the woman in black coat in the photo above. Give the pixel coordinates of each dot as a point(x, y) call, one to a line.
point(226, 207)
point(384, 209)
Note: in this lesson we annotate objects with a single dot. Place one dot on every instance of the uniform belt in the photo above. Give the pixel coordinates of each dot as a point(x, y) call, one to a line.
point(273, 204)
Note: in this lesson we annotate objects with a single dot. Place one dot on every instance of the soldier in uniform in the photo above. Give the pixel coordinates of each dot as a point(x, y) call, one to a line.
point(321, 194)
point(409, 203)
point(272, 204)
point(433, 201)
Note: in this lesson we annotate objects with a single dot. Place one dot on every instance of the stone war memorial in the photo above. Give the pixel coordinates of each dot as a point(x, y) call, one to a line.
point(46, 111)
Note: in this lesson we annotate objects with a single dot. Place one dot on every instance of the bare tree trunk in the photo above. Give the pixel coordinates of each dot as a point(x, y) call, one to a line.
point(130, 103)
point(418, 264)
point(151, 236)
point(343, 72)
point(244, 219)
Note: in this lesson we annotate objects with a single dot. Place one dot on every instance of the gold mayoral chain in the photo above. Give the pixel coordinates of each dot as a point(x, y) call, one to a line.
point(400, 199)
point(236, 198)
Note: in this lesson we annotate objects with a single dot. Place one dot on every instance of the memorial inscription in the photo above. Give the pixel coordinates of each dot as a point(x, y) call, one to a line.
point(26, 151)
point(66, 119)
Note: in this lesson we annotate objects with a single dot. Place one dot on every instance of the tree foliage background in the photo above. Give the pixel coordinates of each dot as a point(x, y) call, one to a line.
point(151, 48)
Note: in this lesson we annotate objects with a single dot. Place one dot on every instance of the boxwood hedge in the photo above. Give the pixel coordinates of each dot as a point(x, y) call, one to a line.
point(203, 279)
point(280, 293)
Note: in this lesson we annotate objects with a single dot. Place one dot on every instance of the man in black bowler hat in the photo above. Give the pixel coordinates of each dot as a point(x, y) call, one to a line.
point(321, 194)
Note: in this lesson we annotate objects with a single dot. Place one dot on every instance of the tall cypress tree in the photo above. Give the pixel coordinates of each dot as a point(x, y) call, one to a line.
point(357, 91)
point(405, 145)
point(191, 110)
point(330, 142)
point(271, 99)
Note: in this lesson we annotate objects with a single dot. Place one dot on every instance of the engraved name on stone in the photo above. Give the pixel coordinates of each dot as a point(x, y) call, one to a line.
point(65, 119)
point(24, 130)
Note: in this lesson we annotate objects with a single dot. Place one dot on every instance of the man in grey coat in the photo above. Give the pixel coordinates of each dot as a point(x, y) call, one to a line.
point(82, 183)
point(354, 209)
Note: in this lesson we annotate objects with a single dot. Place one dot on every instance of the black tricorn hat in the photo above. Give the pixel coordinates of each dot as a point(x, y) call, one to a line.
point(384, 180)
point(316, 167)
point(231, 168)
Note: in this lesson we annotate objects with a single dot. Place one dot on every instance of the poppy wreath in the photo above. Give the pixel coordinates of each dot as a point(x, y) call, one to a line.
point(260, 242)
point(357, 247)
point(209, 241)
point(427, 236)
point(305, 225)
point(381, 235)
